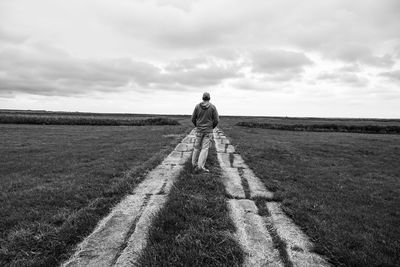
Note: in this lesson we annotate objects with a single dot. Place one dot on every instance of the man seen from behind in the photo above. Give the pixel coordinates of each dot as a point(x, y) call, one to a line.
point(205, 119)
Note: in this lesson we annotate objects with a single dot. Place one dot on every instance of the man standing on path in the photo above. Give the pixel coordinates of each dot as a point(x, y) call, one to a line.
point(205, 119)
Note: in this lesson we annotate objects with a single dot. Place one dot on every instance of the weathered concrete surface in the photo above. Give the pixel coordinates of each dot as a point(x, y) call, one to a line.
point(252, 235)
point(230, 149)
point(120, 237)
point(220, 147)
point(188, 139)
point(253, 231)
point(225, 141)
point(232, 182)
point(238, 162)
point(100, 248)
point(223, 159)
point(298, 246)
point(256, 187)
point(138, 240)
point(184, 147)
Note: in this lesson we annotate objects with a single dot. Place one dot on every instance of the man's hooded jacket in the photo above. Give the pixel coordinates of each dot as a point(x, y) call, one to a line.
point(205, 117)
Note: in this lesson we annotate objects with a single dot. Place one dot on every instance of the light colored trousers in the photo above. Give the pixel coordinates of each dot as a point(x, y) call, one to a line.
point(201, 145)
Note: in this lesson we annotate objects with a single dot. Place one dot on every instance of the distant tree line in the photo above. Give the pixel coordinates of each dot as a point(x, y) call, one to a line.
point(83, 120)
point(329, 127)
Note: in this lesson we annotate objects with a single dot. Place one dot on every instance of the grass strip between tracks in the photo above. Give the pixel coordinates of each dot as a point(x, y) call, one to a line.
point(194, 228)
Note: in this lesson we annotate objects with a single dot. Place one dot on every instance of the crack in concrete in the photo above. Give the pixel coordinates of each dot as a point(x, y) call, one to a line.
point(131, 229)
point(245, 184)
point(162, 192)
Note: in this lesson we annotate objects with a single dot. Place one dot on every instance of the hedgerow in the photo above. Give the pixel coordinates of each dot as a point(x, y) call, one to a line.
point(83, 120)
point(372, 129)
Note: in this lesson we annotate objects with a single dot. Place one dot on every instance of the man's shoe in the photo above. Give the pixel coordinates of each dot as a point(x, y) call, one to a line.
point(195, 169)
point(204, 169)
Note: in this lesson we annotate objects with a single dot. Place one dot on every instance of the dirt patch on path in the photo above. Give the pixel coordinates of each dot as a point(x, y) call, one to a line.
point(120, 237)
point(267, 236)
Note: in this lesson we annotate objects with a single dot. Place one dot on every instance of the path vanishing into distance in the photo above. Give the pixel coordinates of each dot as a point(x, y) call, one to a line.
point(266, 235)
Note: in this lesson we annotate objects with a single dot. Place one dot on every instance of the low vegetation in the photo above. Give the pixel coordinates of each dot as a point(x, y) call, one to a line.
point(71, 119)
point(341, 188)
point(194, 228)
point(57, 181)
point(325, 127)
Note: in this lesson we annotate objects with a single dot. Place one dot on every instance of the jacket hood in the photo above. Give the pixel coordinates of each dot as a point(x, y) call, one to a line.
point(205, 104)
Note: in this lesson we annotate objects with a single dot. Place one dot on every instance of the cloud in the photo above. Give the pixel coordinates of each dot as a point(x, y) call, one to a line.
point(278, 65)
point(41, 69)
point(7, 37)
point(179, 4)
point(209, 76)
point(95, 47)
point(254, 85)
point(273, 61)
point(350, 68)
point(392, 75)
point(344, 78)
point(310, 26)
point(361, 54)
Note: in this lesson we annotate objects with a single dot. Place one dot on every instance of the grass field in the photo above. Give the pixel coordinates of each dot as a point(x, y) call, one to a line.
point(194, 228)
point(65, 118)
point(375, 126)
point(313, 121)
point(343, 189)
point(326, 127)
point(57, 181)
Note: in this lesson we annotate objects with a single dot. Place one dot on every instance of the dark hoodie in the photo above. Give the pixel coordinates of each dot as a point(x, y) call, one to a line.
point(205, 117)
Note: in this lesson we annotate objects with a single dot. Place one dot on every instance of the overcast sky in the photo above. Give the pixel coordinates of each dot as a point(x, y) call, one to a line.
point(325, 58)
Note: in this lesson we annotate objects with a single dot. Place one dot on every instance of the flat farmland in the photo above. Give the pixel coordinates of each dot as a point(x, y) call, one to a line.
point(299, 120)
point(342, 189)
point(57, 181)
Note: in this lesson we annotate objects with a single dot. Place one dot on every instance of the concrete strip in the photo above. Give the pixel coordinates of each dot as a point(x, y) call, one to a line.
point(133, 213)
point(175, 171)
point(183, 147)
point(188, 140)
point(152, 184)
point(138, 240)
point(219, 147)
point(230, 149)
point(250, 226)
point(256, 187)
point(225, 141)
point(238, 162)
point(223, 159)
point(232, 182)
point(102, 246)
point(298, 245)
point(251, 234)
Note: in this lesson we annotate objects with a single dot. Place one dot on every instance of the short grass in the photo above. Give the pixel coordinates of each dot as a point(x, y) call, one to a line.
point(325, 127)
point(83, 119)
point(58, 181)
point(342, 189)
point(194, 228)
point(312, 121)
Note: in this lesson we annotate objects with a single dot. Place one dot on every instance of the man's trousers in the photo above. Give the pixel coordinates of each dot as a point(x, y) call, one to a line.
point(201, 145)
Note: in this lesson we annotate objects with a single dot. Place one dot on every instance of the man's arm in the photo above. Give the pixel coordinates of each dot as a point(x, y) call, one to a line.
point(215, 117)
point(194, 116)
